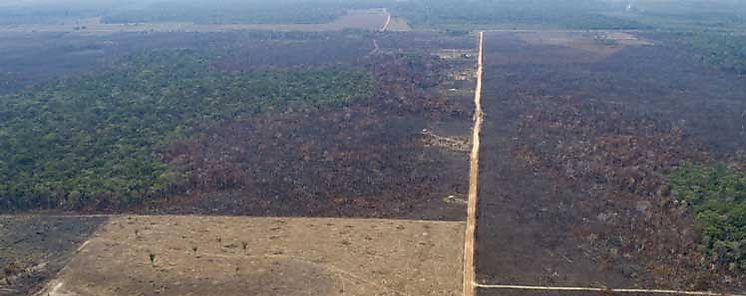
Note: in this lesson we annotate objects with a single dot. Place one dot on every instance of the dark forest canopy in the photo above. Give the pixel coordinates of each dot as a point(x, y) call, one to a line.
point(718, 196)
point(95, 140)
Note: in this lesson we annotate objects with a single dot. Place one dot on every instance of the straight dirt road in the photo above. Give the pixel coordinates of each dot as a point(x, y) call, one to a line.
point(471, 222)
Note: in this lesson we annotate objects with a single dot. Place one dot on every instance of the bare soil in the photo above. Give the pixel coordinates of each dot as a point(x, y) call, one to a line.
point(267, 256)
point(371, 19)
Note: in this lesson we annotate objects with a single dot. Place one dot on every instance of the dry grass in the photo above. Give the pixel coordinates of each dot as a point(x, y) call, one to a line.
point(372, 19)
point(267, 256)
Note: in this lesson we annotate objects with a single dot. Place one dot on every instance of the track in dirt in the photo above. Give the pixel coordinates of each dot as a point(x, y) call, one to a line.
point(603, 290)
point(471, 223)
point(388, 21)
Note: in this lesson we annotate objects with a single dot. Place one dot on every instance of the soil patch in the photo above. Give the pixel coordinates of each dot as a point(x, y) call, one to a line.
point(268, 256)
point(370, 19)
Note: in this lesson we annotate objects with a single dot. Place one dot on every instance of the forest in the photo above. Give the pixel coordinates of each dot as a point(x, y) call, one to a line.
point(717, 195)
point(95, 140)
point(725, 51)
point(587, 14)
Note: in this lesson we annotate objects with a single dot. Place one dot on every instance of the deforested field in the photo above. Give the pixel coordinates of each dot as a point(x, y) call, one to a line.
point(186, 255)
point(282, 124)
point(316, 147)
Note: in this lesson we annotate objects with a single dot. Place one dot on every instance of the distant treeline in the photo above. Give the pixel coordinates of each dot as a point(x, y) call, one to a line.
point(574, 14)
point(712, 30)
point(580, 14)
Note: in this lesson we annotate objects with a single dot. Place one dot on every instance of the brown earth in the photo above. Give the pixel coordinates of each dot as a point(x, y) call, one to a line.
point(372, 19)
point(189, 255)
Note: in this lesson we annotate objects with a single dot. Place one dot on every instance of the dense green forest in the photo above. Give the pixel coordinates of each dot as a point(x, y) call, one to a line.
point(717, 195)
point(724, 50)
point(712, 31)
point(95, 141)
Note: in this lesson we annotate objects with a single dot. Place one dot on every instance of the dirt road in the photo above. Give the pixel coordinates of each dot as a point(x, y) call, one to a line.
point(471, 223)
point(388, 21)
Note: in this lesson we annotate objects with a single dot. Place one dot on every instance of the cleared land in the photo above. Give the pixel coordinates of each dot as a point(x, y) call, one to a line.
point(373, 19)
point(402, 154)
point(187, 255)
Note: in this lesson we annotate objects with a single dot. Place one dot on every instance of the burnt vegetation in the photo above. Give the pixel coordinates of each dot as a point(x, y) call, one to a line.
point(304, 136)
point(625, 163)
point(362, 159)
point(644, 177)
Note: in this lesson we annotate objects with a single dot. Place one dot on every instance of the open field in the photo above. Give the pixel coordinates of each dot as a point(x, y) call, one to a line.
point(398, 24)
point(578, 136)
point(267, 256)
point(373, 19)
